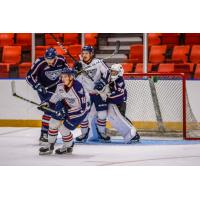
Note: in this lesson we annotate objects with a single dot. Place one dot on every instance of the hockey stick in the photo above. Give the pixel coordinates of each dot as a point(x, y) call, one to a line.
point(43, 108)
point(116, 51)
point(62, 47)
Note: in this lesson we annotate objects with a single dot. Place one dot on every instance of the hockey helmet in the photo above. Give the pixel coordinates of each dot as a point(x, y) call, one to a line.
point(118, 69)
point(50, 53)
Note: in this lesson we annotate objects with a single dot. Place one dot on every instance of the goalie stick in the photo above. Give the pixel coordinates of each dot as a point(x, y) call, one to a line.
point(43, 108)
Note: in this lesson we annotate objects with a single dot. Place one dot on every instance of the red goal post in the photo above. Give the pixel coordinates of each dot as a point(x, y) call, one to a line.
point(158, 104)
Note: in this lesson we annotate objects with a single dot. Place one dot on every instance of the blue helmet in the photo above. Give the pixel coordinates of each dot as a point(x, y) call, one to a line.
point(50, 53)
point(68, 71)
point(88, 48)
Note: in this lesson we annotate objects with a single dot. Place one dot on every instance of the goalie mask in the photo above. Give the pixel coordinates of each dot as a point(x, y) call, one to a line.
point(116, 71)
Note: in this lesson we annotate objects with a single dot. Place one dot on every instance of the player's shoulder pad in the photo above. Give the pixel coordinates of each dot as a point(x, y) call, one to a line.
point(120, 81)
point(39, 60)
point(78, 87)
point(62, 58)
point(60, 88)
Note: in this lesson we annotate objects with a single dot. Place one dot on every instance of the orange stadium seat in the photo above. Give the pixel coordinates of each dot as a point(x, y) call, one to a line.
point(136, 53)
point(24, 68)
point(154, 39)
point(139, 67)
point(157, 53)
point(11, 54)
point(166, 67)
point(180, 53)
point(184, 68)
point(24, 39)
point(192, 38)
point(50, 41)
point(75, 50)
point(4, 71)
point(197, 72)
point(128, 67)
point(71, 38)
point(91, 39)
point(170, 39)
point(39, 51)
point(195, 54)
point(6, 39)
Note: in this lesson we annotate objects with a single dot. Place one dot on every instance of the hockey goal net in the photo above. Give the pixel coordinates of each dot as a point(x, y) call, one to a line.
point(158, 104)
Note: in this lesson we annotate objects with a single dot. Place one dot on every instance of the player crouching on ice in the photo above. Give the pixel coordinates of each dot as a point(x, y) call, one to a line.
point(116, 95)
point(71, 104)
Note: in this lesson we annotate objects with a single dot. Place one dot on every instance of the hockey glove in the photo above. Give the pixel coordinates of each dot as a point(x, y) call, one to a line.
point(41, 89)
point(99, 86)
point(78, 67)
point(61, 114)
point(43, 105)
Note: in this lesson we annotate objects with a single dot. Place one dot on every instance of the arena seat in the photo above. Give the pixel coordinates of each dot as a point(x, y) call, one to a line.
point(139, 67)
point(157, 54)
point(50, 41)
point(6, 39)
point(197, 72)
point(91, 39)
point(166, 67)
point(154, 39)
point(185, 68)
point(24, 68)
point(4, 70)
point(11, 54)
point(136, 53)
point(180, 53)
point(195, 54)
point(170, 39)
point(75, 50)
point(192, 38)
point(23, 39)
point(71, 38)
point(128, 67)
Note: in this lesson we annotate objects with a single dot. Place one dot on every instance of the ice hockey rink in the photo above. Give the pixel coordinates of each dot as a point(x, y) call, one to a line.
point(19, 147)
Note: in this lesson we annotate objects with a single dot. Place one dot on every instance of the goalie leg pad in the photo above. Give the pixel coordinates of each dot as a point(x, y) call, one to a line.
point(119, 122)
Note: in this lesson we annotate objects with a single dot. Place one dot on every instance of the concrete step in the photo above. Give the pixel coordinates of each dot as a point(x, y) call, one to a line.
point(105, 48)
point(125, 39)
point(117, 56)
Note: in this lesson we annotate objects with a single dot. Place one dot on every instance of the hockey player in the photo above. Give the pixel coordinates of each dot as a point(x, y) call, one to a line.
point(71, 102)
point(116, 96)
point(94, 75)
point(43, 77)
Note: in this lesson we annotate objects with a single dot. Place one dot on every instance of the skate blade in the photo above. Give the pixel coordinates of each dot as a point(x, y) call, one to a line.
point(104, 141)
point(45, 153)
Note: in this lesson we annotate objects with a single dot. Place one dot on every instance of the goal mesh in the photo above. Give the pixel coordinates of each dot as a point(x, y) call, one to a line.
point(158, 104)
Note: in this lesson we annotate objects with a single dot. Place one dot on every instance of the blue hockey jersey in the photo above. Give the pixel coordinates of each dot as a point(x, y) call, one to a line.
point(44, 74)
point(118, 91)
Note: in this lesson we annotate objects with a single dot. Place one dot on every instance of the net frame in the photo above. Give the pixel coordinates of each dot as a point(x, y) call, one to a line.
point(184, 95)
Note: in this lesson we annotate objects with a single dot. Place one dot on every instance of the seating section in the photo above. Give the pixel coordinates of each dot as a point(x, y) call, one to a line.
point(167, 52)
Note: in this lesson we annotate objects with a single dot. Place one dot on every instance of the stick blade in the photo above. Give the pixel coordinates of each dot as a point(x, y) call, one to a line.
point(13, 87)
point(117, 46)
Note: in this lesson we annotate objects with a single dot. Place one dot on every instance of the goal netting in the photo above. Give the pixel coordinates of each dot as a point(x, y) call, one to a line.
point(158, 104)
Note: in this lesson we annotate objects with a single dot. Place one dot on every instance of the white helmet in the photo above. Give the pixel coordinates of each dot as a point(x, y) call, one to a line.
point(119, 71)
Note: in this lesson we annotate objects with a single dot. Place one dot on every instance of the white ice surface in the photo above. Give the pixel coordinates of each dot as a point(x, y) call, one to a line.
point(19, 146)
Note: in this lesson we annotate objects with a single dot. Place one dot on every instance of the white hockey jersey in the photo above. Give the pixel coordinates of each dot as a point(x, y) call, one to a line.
point(94, 71)
point(76, 99)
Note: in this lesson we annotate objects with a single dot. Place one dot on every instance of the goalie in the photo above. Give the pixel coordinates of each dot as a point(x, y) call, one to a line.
point(115, 95)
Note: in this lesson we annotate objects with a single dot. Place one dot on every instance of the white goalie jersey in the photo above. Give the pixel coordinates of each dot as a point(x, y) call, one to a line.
point(93, 72)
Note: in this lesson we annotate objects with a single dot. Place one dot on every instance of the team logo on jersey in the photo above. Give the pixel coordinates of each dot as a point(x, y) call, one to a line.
point(92, 72)
point(53, 75)
point(70, 100)
point(121, 84)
